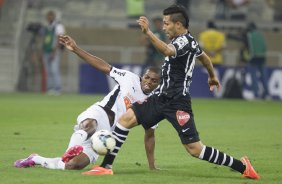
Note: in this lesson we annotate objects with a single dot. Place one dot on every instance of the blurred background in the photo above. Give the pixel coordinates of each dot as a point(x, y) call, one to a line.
point(108, 29)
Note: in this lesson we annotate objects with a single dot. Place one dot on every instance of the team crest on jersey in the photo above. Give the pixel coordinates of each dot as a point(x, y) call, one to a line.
point(181, 42)
point(182, 117)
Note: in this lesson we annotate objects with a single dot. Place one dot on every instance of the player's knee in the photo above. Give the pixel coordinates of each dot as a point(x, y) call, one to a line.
point(195, 153)
point(128, 119)
point(89, 126)
point(194, 149)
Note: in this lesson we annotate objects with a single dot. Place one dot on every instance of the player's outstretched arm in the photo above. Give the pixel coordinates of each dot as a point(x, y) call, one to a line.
point(149, 141)
point(165, 49)
point(96, 62)
point(212, 81)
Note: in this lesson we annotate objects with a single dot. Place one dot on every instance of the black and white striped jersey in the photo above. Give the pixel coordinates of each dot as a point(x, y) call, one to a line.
point(177, 70)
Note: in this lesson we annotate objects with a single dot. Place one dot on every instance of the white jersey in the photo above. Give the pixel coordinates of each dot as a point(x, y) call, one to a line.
point(127, 91)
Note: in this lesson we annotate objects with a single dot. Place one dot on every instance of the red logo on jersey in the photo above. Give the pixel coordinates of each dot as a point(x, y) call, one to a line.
point(182, 117)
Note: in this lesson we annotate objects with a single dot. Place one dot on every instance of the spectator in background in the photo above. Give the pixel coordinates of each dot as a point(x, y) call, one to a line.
point(213, 42)
point(256, 47)
point(153, 56)
point(52, 51)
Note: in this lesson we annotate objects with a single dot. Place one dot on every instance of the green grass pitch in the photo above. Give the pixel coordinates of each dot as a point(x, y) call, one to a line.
point(35, 123)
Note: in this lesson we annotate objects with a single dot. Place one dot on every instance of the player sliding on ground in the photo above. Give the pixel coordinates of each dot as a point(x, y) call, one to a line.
point(102, 115)
point(171, 100)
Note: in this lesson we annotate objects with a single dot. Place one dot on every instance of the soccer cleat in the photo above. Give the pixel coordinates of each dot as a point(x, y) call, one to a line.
point(249, 171)
point(98, 170)
point(72, 152)
point(27, 162)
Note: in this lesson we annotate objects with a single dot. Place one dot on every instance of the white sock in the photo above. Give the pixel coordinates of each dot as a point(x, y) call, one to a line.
point(50, 163)
point(38, 159)
point(54, 163)
point(77, 138)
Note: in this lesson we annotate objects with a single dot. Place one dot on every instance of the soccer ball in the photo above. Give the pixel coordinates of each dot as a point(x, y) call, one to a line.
point(103, 142)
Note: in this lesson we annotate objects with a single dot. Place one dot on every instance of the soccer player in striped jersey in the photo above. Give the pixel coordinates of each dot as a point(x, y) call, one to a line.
point(130, 88)
point(171, 99)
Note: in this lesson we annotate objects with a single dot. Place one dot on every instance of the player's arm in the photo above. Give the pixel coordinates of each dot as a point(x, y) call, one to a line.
point(96, 62)
point(149, 141)
point(213, 81)
point(162, 47)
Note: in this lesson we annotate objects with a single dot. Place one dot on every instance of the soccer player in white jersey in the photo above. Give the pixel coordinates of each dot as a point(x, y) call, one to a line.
point(101, 115)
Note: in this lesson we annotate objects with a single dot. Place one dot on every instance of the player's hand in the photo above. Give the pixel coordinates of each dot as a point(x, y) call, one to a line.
point(67, 41)
point(214, 82)
point(144, 24)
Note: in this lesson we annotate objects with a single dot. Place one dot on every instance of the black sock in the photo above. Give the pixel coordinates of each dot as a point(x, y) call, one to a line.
point(120, 133)
point(213, 155)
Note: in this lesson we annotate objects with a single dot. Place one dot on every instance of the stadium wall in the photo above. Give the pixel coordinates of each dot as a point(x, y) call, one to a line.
point(232, 78)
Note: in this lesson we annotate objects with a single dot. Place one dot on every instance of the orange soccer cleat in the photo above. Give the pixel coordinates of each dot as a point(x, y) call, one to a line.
point(98, 170)
point(249, 171)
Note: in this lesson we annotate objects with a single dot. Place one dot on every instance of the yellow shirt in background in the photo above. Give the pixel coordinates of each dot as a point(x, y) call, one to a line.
point(212, 42)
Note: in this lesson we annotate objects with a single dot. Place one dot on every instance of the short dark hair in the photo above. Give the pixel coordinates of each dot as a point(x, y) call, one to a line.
point(251, 26)
point(51, 12)
point(154, 69)
point(178, 13)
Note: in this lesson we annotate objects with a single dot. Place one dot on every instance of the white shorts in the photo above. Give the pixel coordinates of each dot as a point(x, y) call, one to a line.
point(97, 113)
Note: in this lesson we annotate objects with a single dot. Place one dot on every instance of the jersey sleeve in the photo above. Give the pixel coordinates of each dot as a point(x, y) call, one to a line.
point(184, 44)
point(122, 77)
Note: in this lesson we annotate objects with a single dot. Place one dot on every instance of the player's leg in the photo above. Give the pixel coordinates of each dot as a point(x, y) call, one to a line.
point(78, 162)
point(83, 159)
point(35, 159)
point(121, 130)
point(181, 117)
point(189, 137)
point(264, 79)
point(86, 129)
point(212, 155)
point(125, 123)
point(252, 68)
point(46, 62)
point(49, 163)
point(139, 113)
point(89, 121)
point(80, 156)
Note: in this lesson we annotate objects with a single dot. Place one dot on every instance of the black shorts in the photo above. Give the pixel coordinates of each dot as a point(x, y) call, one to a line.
point(177, 111)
